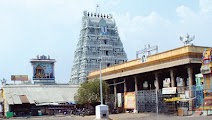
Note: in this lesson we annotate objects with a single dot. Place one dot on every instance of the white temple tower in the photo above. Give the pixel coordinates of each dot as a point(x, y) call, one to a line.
point(98, 41)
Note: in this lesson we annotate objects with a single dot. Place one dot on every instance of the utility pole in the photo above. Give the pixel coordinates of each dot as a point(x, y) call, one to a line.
point(100, 79)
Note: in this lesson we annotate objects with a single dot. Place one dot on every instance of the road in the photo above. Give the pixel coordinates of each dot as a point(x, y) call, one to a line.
point(124, 116)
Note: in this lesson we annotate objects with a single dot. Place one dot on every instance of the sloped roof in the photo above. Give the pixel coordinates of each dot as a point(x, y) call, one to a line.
point(40, 93)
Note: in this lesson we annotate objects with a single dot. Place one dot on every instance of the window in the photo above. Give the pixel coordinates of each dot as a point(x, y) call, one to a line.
point(92, 30)
point(105, 41)
point(107, 53)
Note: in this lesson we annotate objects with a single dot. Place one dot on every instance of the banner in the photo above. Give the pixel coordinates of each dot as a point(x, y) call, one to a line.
point(170, 90)
point(129, 100)
point(120, 99)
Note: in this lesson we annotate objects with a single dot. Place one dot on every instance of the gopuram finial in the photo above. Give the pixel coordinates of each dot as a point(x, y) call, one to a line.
point(97, 9)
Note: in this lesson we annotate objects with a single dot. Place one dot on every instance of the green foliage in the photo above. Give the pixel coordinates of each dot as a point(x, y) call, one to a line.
point(89, 92)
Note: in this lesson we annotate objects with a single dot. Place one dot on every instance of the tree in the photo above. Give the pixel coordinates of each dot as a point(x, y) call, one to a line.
point(89, 92)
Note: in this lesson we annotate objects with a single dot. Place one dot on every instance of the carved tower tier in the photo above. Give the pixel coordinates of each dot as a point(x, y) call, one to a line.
point(98, 41)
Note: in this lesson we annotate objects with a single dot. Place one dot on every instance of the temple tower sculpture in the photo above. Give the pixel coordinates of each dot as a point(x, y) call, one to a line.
point(98, 41)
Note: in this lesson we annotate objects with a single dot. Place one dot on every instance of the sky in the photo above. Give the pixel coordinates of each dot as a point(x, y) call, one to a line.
point(51, 27)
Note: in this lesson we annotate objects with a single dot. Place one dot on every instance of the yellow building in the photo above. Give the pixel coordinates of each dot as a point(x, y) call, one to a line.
point(172, 68)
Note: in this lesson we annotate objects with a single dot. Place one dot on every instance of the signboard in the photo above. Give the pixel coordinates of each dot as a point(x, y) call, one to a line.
point(170, 90)
point(120, 100)
point(179, 81)
point(209, 112)
point(129, 100)
point(19, 77)
point(205, 69)
point(166, 82)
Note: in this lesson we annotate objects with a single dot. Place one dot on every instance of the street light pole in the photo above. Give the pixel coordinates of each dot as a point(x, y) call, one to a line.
point(102, 110)
point(100, 79)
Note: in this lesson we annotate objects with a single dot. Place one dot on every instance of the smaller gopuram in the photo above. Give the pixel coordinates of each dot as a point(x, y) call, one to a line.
point(43, 70)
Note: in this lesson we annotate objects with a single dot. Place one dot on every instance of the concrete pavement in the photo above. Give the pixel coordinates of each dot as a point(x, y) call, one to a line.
point(124, 116)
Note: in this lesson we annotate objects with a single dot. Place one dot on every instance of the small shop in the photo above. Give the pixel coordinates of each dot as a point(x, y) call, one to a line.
point(54, 109)
point(206, 70)
point(37, 100)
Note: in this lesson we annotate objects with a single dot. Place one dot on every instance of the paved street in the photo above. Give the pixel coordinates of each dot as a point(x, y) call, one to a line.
point(125, 116)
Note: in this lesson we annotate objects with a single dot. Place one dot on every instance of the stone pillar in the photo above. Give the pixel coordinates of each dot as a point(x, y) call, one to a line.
point(115, 95)
point(125, 86)
point(190, 83)
point(136, 90)
point(136, 86)
point(6, 107)
point(156, 83)
point(190, 76)
point(125, 90)
point(172, 78)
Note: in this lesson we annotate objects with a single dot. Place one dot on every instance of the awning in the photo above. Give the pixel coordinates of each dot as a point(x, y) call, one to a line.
point(42, 104)
point(24, 99)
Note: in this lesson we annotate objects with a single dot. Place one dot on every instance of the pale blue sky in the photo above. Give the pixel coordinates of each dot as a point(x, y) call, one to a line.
point(34, 27)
